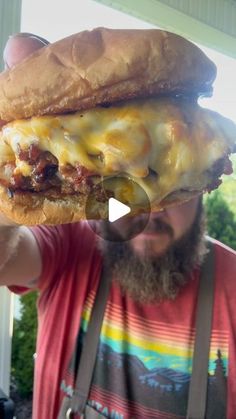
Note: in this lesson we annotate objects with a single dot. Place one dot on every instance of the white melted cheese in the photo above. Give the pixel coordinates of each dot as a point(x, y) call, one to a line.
point(179, 142)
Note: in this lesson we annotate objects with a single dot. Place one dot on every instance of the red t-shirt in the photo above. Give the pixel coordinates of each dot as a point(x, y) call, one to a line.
point(145, 352)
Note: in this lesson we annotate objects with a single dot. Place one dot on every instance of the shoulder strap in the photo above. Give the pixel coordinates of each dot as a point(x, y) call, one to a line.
point(198, 383)
point(76, 405)
point(91, 339)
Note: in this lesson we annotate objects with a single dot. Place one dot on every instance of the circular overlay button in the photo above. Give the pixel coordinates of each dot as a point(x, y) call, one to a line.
point(125, 207)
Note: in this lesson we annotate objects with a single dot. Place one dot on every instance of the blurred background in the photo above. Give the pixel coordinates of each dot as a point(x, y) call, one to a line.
point(209, 23)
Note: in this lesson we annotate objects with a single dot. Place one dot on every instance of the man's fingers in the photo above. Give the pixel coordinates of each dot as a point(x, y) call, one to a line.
point(21, 45)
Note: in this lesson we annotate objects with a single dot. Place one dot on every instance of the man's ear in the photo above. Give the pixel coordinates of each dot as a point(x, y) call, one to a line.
point(19, 46)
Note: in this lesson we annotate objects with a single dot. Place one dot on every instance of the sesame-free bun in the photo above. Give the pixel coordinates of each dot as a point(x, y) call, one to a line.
point(34, 208)
point(103, 66)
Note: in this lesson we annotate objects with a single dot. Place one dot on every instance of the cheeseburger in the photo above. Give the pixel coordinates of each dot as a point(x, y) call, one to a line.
point(102, 104)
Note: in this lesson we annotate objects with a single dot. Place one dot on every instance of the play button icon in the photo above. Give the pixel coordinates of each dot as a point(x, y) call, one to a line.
point(117, 209)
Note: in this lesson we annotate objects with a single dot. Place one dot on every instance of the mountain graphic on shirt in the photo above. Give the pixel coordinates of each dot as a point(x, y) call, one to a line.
point(162, 388)
point(165, 378)
point(159, 388)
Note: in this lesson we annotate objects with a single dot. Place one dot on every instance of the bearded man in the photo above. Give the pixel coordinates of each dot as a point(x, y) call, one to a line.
point(145, 353)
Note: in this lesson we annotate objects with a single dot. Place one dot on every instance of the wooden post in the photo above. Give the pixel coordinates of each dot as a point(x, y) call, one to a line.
point(6, 325)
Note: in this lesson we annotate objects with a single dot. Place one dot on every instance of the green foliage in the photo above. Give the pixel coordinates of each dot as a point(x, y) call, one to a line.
point(221, 221)
point(228, 187)
point(23, 344)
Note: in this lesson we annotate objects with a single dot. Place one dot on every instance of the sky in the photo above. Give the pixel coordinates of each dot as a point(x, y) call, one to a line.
point(63, 18)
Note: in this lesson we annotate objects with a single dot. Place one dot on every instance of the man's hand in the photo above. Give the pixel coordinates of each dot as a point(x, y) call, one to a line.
point(20, 259)
point(21, 45)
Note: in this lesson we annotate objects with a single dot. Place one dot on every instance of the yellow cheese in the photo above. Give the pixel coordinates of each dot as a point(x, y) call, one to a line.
point(176, 140)
point(24, 168)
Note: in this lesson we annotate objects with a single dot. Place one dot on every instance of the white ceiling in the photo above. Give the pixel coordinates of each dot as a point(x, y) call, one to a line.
point(208, 22)
point(220, 14)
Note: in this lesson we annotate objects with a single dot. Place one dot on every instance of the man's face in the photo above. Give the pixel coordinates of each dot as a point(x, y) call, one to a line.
point(156, 263)
point(163, 229)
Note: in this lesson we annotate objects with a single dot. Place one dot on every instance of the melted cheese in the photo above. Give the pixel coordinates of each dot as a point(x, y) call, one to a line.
point(177, 141)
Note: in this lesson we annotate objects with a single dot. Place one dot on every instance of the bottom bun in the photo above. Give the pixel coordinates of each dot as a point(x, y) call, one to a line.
point(34, 208)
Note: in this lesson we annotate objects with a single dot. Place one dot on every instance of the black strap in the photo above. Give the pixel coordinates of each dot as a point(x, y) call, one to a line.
point(198, 384)
point(88, 357)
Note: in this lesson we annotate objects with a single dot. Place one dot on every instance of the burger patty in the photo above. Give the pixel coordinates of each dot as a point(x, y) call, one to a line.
point(53, 180)
point(47, 177)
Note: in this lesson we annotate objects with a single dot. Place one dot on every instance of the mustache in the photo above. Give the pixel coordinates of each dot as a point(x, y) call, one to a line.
point(155, 225)
point(135, 227)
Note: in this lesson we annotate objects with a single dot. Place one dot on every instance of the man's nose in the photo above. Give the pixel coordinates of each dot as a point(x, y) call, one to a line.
point(157, 214)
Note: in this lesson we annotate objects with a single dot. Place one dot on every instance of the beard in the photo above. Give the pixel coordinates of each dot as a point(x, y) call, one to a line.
point(148, 279)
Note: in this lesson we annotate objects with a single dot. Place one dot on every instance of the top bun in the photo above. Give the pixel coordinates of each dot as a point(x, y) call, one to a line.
point(103, 66)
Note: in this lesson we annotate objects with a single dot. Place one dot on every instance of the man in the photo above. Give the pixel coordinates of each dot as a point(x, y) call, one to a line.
point(144, 359)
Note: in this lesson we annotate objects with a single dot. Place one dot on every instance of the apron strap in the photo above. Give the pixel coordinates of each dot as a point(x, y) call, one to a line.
point(198, 384)
point(76, 404)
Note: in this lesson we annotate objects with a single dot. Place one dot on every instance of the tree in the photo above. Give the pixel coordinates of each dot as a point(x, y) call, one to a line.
point(23, 345)
point(221, 223)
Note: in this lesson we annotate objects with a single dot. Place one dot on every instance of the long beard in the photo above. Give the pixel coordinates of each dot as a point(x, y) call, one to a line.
point(153, 279)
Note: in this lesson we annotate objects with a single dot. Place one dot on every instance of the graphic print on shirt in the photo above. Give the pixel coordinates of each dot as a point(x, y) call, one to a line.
point(143, 367)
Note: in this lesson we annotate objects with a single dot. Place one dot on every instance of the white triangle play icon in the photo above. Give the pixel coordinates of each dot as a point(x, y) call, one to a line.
point(116, 209)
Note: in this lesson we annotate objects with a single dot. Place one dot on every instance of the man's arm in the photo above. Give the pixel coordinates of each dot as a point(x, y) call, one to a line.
point(20, 258)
